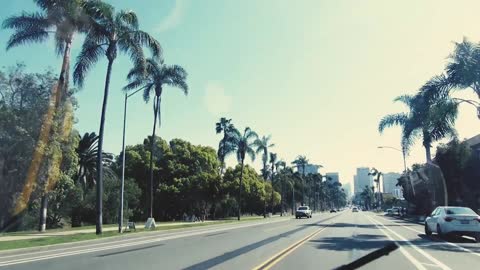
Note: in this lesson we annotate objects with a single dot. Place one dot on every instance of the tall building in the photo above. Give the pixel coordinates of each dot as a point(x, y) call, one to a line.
point(334, 176)
point(390, 182)
point(348, 190)
point(362, 179)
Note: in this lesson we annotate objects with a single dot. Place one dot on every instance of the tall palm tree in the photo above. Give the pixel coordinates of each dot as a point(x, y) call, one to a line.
point(273, 161)
point(225, 126)
point(376, 173)
point(242, 145)
point(62, 19)
point(153, 78)
point(262, 145)
point(110, 33)
point(432, 120)
point(281, 164)
point(301, 162)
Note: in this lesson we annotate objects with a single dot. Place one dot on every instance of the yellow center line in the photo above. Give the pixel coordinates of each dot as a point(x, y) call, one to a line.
point(282, 254)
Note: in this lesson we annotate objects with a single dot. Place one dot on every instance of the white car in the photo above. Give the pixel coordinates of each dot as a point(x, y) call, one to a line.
point(453, 220)
point(303, 211)
point(354, 209)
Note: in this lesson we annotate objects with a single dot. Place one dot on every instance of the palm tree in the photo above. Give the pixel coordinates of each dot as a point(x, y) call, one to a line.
point(376, 173)
point(225, 126)
point(283, 164)
point(301, 162)
point(262, 145)
point(273, 161)
point(152, 78)
point(62, 19)
point(432, 120)
point(108, 34)
point(242, 145)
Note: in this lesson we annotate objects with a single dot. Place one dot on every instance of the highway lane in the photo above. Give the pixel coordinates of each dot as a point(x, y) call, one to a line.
point(356, 234)
point(236, 246)
point(324, 242)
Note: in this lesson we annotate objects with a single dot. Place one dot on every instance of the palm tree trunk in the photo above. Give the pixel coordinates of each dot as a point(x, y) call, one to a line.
point(428, 154)
point(99, 203)
point(240, 192)
point(271, 196)
point(156, 106)
point(62, 88)
point(303, 185)
point(265, 183)
point(43, 213)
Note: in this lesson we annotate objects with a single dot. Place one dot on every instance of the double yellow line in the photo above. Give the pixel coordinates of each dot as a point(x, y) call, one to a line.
point(282, 254)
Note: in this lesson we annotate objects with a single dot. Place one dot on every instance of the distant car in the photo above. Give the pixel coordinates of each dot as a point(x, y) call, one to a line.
point(333, 211)
point(453, 220)
point(303, 211)
point(354, 209)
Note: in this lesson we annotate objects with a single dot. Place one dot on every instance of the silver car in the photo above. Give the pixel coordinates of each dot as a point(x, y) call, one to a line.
point(453, 220)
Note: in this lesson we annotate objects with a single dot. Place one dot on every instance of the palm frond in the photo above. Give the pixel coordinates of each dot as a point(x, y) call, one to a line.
point(128, 17)
point(89, 55)
point(29, 36)
point(146, 40)
point(176, 76)
point(405, 99)
point(390, 120)
point(27, 21)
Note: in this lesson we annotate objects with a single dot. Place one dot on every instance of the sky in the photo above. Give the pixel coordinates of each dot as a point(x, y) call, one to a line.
point(315, 75)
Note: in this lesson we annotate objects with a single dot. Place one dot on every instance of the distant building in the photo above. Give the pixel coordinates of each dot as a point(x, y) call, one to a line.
point(348, 189)
point(309, 169)
point(474, 143)
point(333, 176)
point(362, 179)
point(390, 181)
point(398, 193)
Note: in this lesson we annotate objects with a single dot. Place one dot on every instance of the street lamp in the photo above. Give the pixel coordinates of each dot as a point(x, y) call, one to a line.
point(401, 151)
point(122, 185)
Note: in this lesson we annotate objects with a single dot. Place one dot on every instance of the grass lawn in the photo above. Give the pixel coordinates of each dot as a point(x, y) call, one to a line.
point(51, 240)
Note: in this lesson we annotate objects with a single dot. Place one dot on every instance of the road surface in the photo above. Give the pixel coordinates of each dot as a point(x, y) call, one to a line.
point(325, 241)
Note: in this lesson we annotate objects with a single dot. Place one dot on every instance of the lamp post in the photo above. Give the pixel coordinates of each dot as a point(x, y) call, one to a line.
point(122, 185)
point(401, 151)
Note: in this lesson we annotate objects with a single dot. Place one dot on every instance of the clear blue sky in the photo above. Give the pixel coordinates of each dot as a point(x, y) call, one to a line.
point(316, 75)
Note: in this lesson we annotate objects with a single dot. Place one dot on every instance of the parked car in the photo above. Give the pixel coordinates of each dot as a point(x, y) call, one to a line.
point(333, 211)
point(303, 211)
point(453, 220)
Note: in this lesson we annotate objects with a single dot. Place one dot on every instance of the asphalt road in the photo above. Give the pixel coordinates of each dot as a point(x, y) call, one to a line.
point(324, 242)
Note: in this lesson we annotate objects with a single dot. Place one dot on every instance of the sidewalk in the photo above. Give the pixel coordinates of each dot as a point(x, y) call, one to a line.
point(35, 235)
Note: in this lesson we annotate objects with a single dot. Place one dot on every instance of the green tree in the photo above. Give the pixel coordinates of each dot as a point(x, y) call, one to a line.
point(432, 120)
point(153, 78)
point(225, 126)
point(63, 19)
point(110, 32)
point(262, 145)
point(242, 145)
point(301, 162)
point(273, 161)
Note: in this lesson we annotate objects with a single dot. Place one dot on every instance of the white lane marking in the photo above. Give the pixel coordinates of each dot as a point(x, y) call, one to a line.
point(405, 253)
point(443, 241)
point(109, 247)
point(430, 264)
point(419, 250)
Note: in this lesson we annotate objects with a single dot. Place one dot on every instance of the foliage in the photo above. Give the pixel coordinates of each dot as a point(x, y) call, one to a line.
point(430, 119)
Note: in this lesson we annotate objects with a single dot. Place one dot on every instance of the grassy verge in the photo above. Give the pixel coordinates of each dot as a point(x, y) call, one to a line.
point(51, 240)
